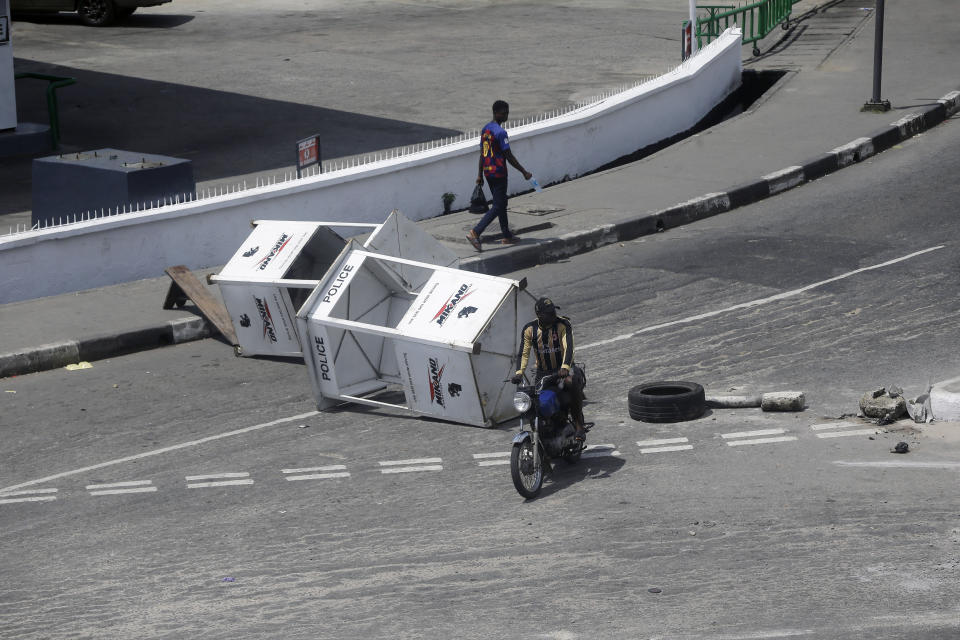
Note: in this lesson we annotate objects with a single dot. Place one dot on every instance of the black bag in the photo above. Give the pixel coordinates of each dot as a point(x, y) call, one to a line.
point(478, 201)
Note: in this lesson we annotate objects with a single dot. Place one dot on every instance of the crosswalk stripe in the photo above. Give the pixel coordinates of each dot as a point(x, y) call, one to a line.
point(834, 425)
point(320, 476)
point(750, 434)
point(391, 463)
point(429, 467)
point(843, 434)
point(662, 441)
point(734, 443)
point(677, 447)
point(29, 499)
point(329, 467)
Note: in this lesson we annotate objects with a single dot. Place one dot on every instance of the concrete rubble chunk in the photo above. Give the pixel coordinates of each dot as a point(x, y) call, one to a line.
point(783, 401)
point(882, 406)
point(919, 409)
point(733, 401)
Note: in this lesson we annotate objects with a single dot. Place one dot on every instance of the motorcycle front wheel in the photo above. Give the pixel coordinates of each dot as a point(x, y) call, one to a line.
point(527, 473)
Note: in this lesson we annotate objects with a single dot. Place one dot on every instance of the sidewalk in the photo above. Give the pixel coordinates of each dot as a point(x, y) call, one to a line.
point(806, 126)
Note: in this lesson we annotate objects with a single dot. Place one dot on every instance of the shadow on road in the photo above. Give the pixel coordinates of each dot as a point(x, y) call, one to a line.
point(565, 475)
point(225, 134)
point(137, 20)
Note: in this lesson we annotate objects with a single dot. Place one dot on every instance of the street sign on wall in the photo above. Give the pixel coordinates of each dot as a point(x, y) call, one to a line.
point(308, 153)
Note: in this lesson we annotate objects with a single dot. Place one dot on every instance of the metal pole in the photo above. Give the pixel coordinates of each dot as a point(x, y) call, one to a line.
point(875, 103)
point(693, 26)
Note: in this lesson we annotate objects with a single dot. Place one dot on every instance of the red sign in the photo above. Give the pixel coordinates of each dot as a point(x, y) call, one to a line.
point(308, 153)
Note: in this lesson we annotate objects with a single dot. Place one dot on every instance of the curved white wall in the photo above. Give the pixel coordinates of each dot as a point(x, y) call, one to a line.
point(206, 232)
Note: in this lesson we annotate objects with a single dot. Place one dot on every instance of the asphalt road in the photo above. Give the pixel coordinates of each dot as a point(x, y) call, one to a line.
point(809, 534)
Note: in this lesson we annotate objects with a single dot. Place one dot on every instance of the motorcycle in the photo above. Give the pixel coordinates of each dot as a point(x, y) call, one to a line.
point(548, 435)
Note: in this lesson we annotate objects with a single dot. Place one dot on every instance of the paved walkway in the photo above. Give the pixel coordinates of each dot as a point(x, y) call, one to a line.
point(807, 125)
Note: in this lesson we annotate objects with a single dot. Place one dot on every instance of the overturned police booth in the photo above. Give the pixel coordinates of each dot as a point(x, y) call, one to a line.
point(271, 275)
point(379, 328)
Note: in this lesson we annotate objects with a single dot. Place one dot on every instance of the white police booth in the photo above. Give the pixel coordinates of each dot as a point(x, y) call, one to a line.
point(279, 264)
point(445, 338)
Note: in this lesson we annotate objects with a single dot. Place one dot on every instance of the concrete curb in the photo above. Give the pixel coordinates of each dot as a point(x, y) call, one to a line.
point(524, 256)
point(60, 354)
point(52, 356)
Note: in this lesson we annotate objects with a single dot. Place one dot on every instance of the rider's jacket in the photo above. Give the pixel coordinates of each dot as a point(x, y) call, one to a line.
point(552, 345)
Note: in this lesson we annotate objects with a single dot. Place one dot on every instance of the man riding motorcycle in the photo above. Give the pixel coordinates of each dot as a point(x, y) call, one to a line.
point(550, 337)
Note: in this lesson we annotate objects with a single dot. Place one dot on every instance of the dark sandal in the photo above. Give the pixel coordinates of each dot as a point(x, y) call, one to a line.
point(474, 240)
point(509, 240)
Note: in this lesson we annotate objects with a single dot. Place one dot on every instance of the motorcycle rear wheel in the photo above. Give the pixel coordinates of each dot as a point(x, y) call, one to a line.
point(527, 475)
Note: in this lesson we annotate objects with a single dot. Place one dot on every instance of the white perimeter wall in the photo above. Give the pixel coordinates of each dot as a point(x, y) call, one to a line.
point(206, 232)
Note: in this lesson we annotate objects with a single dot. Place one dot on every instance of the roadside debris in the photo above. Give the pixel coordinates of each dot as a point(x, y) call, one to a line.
point(782, 401)
point(773, 401)
point(79, 365)
point(885, 406)
point(919, 408)
point(902, 447)
point(734, 401)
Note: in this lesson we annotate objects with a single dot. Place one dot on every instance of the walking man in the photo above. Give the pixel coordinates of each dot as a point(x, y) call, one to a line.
point(494, 155)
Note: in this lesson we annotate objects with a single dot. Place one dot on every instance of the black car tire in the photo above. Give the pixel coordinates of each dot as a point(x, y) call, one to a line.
point(97, 13)
point(666, 401)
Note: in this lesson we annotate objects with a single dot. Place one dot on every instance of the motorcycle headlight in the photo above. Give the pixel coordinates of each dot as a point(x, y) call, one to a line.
point(522, 402)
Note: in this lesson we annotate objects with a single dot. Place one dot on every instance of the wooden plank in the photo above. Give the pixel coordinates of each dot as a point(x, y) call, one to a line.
point(186, 285)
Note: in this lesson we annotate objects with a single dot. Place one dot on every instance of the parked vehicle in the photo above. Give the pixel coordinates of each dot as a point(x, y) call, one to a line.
point(96, 13)
point(548, 435)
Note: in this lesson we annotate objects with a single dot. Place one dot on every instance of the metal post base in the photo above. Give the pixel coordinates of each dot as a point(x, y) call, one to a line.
point(876, 107)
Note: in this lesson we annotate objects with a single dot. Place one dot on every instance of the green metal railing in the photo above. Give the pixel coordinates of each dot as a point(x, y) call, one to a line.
point(756, 19)
point(53, 83)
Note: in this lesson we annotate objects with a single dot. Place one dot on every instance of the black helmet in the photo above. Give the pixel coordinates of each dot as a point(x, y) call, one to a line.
point(545, 309)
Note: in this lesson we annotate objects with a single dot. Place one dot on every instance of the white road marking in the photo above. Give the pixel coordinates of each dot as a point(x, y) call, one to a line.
point(843, 434)
point(117, 485)
point(600, 450)
point(895, 464)
point(390, 463)
point(735, 443)
point(243, 478)
point(117, 488)
point(30, 499)
point(428, 467)
point(28, 492)
point(750, 434)
point(156, 452)
point(678, 447)
point(662, 441)
point(320, 476)
point(329, 467)
point(29, 495)
point(834, 425)
point(755, 303)
point(223, 483)
point(113, 492)
point(213, 476)
point(492, 459)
